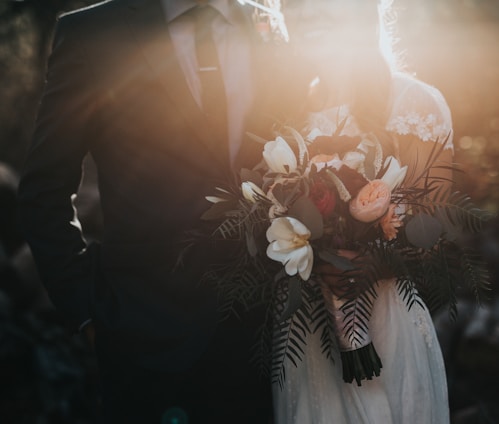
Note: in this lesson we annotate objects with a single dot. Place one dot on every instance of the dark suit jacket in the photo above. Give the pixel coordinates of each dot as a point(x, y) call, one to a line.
point(114, 89)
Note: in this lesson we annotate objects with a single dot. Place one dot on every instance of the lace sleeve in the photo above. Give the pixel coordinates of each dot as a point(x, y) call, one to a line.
point(420, 110)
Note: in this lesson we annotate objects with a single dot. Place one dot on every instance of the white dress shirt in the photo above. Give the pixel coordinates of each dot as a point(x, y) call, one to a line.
point(234, 52)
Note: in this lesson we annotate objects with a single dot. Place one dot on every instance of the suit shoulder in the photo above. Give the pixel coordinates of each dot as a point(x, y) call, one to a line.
point(93, 24)
point(91, 13)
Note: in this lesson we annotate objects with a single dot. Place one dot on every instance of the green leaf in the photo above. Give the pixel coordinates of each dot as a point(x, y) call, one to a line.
point(423, 230)
point(475, 273)
point(459, 215)
point(339, 262)
point(306, 212)
point(251, 244)
point(218, 210)
point(256, 138)
point(294, 299)
point(228, 228)
point(250, 175)
point(449, 219)
point(302, 146)
point(288, 344)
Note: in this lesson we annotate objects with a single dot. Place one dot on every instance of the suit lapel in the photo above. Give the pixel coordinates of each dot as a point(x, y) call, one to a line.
point(260, 120)
point(147, 22)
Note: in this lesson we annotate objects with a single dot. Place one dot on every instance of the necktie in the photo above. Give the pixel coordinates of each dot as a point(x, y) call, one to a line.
point(212, 86)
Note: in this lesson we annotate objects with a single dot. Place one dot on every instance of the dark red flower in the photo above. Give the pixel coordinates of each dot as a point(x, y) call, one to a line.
point(323, 197)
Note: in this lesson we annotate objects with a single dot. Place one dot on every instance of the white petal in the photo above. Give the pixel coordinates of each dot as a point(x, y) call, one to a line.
point(215, 199)
point(284, 246)
point(298, 227)
point(395, 174)
point(280, 229)
point(314, 133)
point(300, 261)
point(279, 156)
point(353, 159)
point(305, 268)
point(251, 191)
point(293, 260)
point(276, 255)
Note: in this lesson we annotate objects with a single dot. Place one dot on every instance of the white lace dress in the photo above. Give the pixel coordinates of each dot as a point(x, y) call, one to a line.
point(412, 387)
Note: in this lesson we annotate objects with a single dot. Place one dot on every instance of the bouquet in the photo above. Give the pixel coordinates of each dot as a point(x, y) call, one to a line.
point(318, 224)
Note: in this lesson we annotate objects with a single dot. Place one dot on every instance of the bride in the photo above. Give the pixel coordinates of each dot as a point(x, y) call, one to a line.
point(360, 89)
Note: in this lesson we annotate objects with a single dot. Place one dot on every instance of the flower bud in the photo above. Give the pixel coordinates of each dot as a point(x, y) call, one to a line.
point(251, 191)
point(279, 156)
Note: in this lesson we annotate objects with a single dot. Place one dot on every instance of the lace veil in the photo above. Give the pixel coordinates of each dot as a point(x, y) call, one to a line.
point(417, 109)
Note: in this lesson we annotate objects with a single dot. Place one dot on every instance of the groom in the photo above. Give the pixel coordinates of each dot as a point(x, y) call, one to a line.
point(125, 84)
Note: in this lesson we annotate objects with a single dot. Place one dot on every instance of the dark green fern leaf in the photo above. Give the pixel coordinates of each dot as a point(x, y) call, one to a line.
point(407, 289)
point(357, 313)
point(459, 214)
point(289, 342)
point(475, 274)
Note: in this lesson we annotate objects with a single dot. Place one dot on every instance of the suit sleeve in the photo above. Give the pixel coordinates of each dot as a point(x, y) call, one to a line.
point(52, 174)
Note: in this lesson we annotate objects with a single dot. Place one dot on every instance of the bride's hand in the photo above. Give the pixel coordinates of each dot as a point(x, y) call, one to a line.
point(333, 277)
point(337, 280)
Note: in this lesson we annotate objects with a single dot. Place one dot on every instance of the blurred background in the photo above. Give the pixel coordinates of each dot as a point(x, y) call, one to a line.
point(49, 376)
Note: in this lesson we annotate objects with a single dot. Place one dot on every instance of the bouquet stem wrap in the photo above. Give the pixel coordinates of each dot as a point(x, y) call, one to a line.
point(359, 358)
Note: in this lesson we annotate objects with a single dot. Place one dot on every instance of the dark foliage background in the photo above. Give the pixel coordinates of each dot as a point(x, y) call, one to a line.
point(49, 376)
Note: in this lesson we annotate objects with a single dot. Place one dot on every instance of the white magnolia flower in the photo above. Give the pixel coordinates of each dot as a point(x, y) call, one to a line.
point(395, 174)
point(279, 156)
point(289, 245)
point(251, 191)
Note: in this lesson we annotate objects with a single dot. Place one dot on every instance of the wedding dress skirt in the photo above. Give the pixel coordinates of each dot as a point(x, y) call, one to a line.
point(412, 387)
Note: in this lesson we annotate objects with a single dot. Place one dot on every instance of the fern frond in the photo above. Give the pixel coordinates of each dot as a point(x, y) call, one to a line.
point(437, 281)
point(407, 290)
point(261, 355)
point(357, 313)
point(289, 343)
point(458, 212)
point(475, 274)
point(229, 228)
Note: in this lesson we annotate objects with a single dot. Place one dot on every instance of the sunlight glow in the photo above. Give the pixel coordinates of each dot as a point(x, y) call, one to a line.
point(465, 142)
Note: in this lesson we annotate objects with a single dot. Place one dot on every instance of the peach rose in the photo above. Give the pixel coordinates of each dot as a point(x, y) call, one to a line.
point(390, 223)
point(371, 202)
